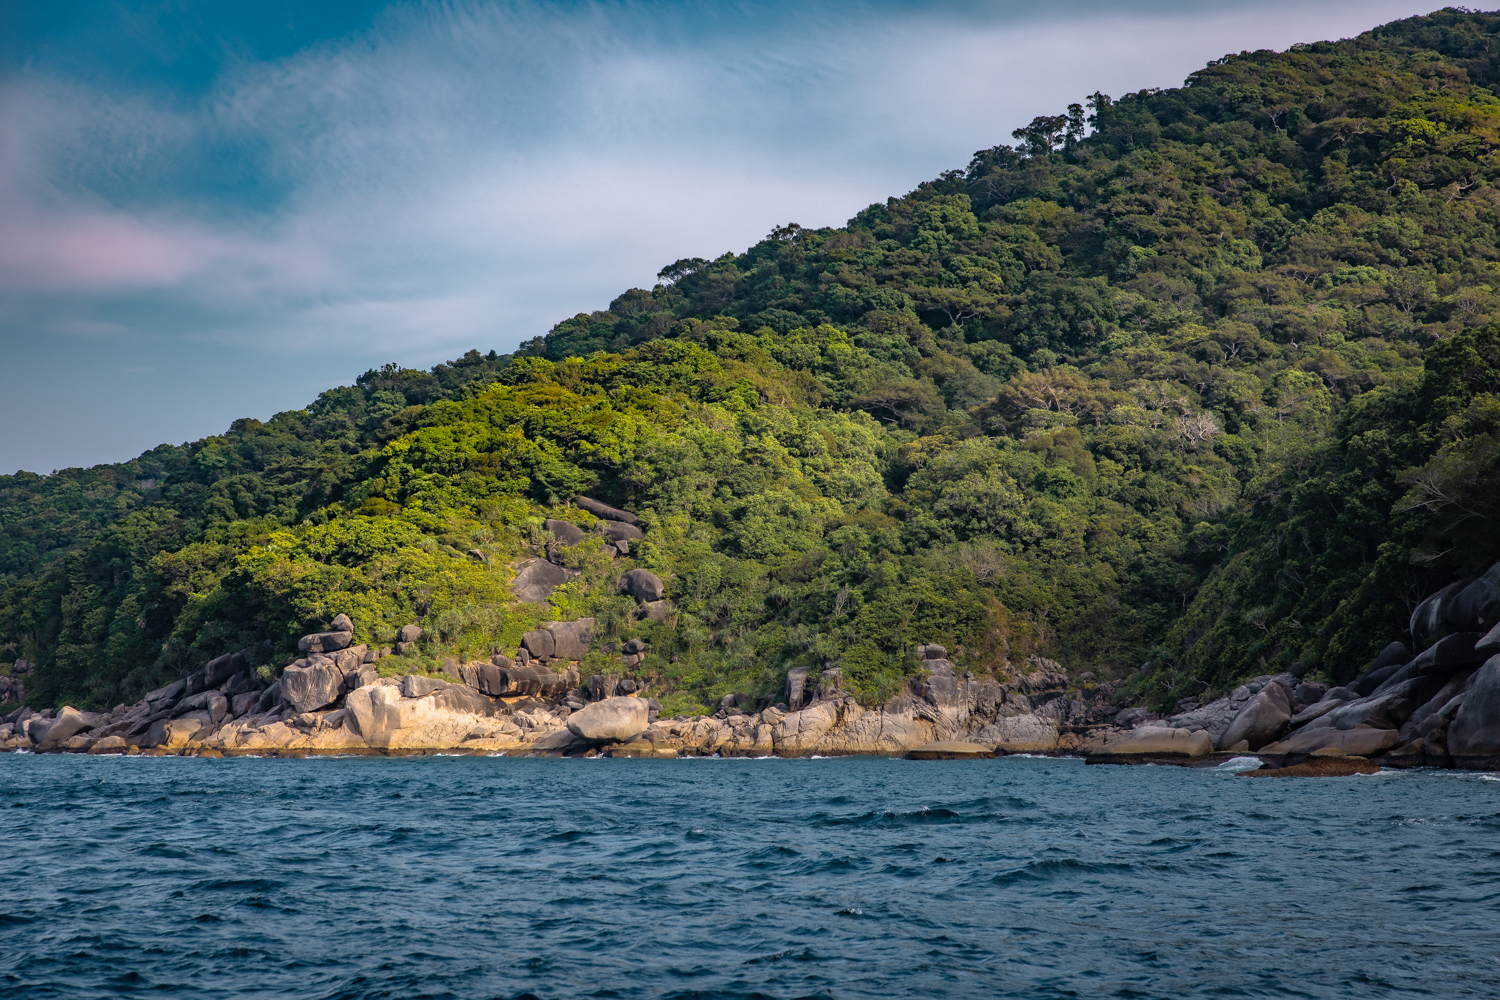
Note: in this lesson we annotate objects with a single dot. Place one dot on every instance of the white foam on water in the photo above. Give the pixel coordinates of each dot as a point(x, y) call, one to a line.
point(1239, 765)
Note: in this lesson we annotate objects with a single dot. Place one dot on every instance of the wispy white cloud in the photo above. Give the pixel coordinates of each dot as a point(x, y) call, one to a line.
point(467, 174)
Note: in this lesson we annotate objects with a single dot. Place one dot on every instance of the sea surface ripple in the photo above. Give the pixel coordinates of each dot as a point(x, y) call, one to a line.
point(703, 878)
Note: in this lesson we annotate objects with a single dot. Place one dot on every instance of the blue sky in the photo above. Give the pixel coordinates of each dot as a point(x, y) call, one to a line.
point(217, 210)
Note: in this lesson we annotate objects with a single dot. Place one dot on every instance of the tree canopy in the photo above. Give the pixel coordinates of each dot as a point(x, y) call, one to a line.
point(1187, 388)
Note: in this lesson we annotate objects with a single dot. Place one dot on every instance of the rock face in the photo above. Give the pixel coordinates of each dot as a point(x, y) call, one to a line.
point(1025, 733)
point(643, 585)
point(537, 580)
point(1263, 719)
point(1474, 607)
point(310, 687)
point(1475, 731)
point(605, 511)
point(1388, 662)
point(614, 719)
point(1427, 617)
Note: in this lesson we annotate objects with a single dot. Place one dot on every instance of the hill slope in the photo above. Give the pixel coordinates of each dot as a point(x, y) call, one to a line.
point(1187, 386)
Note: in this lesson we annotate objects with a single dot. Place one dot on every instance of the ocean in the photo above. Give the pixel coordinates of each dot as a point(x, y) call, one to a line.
point(473, 877)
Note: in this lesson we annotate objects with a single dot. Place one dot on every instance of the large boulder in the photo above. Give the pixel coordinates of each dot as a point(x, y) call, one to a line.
point(1475, 731)
point(409, 633)
point(374, 709)
point(619, 531)
point(325, 642)
point(565, 532)
point(212, 701)
point(1427, 617)
point(643, 585)
point(341, 623)
point(1263, 719)
point(223, 668)
point(1360, 742)
point(418, 686)
point(605, 511)
point(570, 640)
point(538, 643)
point(613, 719)
point(313, 686)
point(1388, 662)
point(174, 733)
point(69, 722)
point(1159, 740)
point(1474, 607)
point(538, 579)
point(1025, 733)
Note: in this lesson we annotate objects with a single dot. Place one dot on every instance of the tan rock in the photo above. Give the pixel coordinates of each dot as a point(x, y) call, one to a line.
point(1020, 734)
point(1356, 742)
point(1159, 740)
point(616, 719)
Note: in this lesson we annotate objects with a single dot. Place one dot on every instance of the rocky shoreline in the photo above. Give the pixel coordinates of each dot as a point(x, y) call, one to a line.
point(1437, 708)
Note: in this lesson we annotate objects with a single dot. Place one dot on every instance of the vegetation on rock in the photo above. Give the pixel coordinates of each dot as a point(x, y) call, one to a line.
point(1184, 388)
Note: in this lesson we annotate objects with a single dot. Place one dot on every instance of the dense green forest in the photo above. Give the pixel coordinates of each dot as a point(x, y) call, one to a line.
point(1185, 386)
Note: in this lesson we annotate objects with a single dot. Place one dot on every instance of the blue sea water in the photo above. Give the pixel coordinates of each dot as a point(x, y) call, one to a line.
point(703, 878)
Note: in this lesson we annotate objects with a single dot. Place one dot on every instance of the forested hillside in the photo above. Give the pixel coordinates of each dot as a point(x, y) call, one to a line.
point(1184, 386)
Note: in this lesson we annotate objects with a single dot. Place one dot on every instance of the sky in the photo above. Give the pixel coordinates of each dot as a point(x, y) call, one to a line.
point(211, 211)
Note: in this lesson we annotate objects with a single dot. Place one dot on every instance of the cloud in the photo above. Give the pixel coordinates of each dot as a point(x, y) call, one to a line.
point(467, 174)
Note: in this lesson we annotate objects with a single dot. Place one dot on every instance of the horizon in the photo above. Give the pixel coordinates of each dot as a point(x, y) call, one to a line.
point(194, 240)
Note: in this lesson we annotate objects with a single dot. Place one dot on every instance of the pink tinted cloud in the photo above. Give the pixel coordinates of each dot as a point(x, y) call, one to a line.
point(92, 251)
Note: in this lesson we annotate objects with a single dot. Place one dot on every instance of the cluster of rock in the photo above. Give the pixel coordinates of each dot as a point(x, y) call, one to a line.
point(12, 685)
point(615, 530)
point(1437, 708)
point(334, 701)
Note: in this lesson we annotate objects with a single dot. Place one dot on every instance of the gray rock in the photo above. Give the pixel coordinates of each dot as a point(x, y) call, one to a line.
point(212, 701)
point(1430, 715)
point(269, 698)
point(931, 651)
point(1474, 606)
point(570, 640)
point(1263, 720)
point(309, 688)
point(1442, 658)
point(655, 611)
point(243, 704)
point(409, 633)
point(1427, 617)
point(538, 642)
point(605, 511)
point(1213, 718)
point(643, 585)
point(166, 695)
point(1490, 644)
point(633, 647)
point(325, 642)
point(613, 719)
point(417, 686)
point(341, 623)
point(538, 579)
point(221, 668)
point(1386, 709)
point(1130, 718)
point(566, 532)
point(1305, 694)
point(1475, 731)
point(1353, 742)
point(1389, 661)
point(619, 531)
